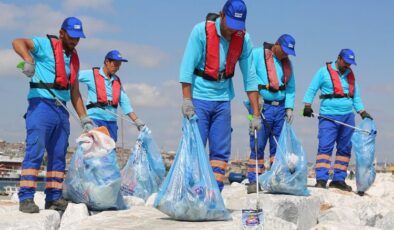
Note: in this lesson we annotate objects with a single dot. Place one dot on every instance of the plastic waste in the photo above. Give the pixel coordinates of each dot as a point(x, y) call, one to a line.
point(190, 191)
point(144, 171)
point(93, 176)
point(289, 171)
point(364, 147)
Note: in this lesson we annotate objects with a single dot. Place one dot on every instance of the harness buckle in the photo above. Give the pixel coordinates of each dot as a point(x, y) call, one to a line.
point(275, 103)
point(58, 103)
point(221, 76)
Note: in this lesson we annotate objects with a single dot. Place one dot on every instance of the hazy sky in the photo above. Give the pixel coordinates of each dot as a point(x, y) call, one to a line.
point(153, 35)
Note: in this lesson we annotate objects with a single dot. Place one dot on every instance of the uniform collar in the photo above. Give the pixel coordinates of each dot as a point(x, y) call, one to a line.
point(217, 23)
point(334, 67)
point(104, 76)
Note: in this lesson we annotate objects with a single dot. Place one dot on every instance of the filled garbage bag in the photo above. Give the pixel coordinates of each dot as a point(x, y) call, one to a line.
point(289, 171)
point(93, 176)
point(364, 147)
point(144, 171)
point(190, 191)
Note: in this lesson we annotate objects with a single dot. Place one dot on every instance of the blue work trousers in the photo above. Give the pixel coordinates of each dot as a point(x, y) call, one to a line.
point(214, 124)
point(271, 127)
point(330, 133)
point(48, 128)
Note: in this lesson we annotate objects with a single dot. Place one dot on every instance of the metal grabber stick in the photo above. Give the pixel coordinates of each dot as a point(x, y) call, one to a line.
point(257, 174)
point(341, 123)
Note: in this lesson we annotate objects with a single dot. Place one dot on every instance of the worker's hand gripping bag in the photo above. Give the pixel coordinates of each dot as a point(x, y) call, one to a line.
point(364, 147)
point(190, 191)
point(289, 171)
point(144, 171)
point(93, 176)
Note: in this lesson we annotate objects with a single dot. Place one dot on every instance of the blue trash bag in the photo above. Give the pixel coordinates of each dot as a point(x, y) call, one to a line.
point(94, 181)
point(289, 171)
point(190, 191)
point(144, 171)
point(364, 147)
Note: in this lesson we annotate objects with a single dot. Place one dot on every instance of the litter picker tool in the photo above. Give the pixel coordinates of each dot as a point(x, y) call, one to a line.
point(252, 218)
point(124, 118)
point(21, 66)
point(341, 123)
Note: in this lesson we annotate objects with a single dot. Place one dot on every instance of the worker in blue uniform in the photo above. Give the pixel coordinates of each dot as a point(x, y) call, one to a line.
point(339, 95)
point(213, 49)
point(105, 94)
point(277, 87)
point(52, 64)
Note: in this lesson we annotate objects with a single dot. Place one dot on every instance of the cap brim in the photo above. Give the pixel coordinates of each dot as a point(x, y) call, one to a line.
point(288, 51)
point(234, 24)
point(350, 61)
point(75, 34)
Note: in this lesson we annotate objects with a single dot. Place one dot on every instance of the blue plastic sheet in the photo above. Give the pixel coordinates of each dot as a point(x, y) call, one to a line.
point(190, 191)
point(144, 171)
point(94, 181)
point(364, 147)
point(289, 171)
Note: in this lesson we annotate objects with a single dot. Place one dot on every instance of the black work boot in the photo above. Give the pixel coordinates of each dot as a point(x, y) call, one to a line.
point(340, 185)
point(321, 184)
point(58, 205)
point(252, 188)
point(28, 206)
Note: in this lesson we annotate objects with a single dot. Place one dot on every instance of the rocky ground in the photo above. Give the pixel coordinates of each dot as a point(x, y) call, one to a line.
point(324, 209)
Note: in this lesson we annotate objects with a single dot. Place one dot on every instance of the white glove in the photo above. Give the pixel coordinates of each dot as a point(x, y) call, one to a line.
point(87, 124)
point(139, 123)
point(187, 108)
point(289, 116)
point(254, 124)
point(29, 69)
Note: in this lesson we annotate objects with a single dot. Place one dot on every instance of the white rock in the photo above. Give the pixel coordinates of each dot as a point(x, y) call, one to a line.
point(340, 215)
point(340, 226)
point(151, 200)
point(73, 214)
point(371, 211)
point(141, 217)
point(236, 184)
point(7, 206)
point(46, 219)
point(387, 222)
point(131, 201)
point(246, 181)
point(301, 211)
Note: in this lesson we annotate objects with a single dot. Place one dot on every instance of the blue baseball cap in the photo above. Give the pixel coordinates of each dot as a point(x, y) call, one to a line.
point(348, 56)
point(235, 13)
point(73, 26)
point(287, 42)
point(115, 55)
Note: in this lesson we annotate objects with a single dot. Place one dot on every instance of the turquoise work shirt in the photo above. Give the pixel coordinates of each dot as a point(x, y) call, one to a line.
point(288, 94)
point(336, 106)
point(194, 57)
point(87, 77)
point(45, 69)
